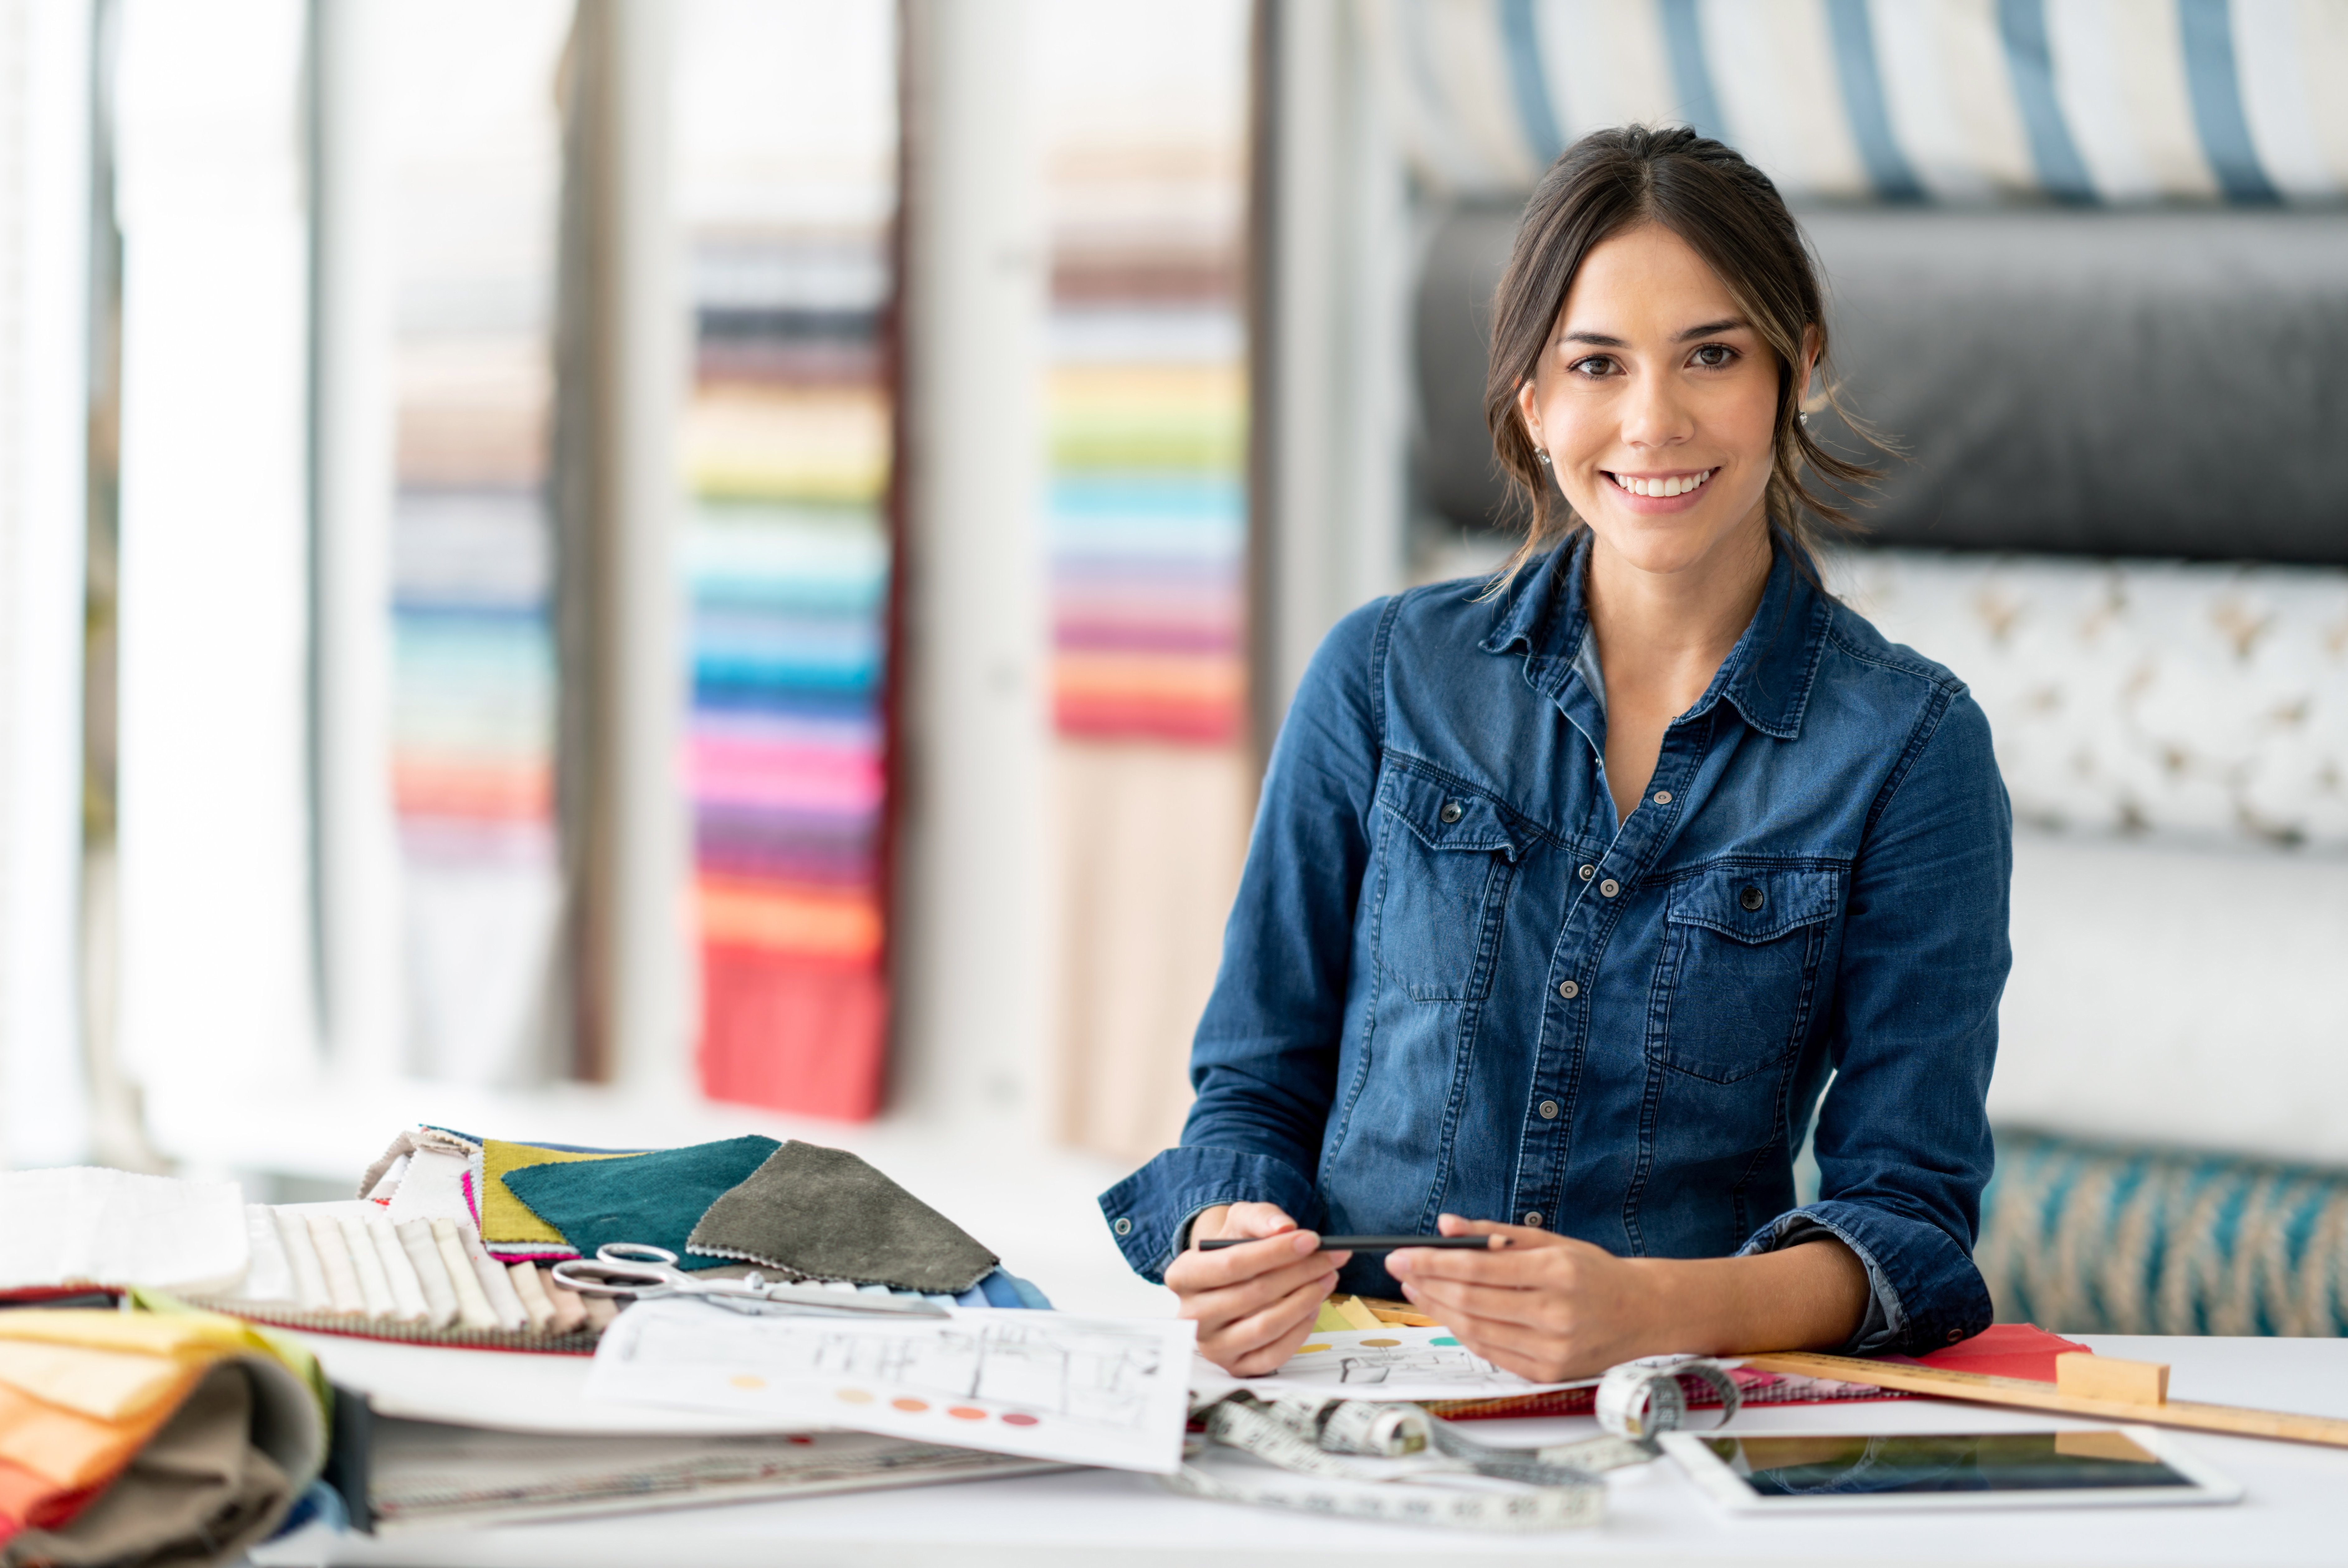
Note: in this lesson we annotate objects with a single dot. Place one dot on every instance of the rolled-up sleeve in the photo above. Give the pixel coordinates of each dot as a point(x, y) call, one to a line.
point(1264, 1061)
point(1903, 1139)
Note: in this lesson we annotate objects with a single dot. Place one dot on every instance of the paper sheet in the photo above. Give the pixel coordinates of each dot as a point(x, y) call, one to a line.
point(1087, 1390)
point(1389, 1363)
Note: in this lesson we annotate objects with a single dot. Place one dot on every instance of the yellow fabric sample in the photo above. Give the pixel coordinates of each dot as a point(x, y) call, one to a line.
point(506, 1218)
point(1345, 1314)
point(105, 1385)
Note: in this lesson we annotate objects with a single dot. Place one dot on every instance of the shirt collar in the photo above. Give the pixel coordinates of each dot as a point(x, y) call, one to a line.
point(1766, 677)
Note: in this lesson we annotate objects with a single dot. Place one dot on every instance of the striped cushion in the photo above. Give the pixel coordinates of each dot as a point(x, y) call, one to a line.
point(1896, 101)
point(2086, 1239)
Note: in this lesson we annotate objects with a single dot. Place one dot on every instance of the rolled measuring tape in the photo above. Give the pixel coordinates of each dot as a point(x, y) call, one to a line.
point(1643, 1399)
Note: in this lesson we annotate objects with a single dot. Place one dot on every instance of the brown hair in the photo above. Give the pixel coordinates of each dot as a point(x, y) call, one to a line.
point(1731, 215)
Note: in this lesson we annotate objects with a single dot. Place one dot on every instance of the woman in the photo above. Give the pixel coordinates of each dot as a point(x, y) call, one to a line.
point(1566, 893)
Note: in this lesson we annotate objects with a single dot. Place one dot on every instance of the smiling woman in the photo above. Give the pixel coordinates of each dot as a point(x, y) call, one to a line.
point(1570, 887)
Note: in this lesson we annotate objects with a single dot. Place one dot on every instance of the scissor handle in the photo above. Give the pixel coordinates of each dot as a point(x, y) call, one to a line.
point(605, 1274)
point(634, 1252)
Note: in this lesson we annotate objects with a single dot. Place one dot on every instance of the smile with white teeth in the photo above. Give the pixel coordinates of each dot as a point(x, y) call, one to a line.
point(1676, 486)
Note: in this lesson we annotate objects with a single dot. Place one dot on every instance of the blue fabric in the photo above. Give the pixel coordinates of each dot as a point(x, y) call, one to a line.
point(1436, 854)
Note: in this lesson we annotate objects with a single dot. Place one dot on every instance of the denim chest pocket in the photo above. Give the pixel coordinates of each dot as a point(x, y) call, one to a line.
point(1737, 981)
point(1447, 860)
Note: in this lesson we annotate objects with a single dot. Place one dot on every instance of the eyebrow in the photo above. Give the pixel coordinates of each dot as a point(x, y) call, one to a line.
point(1601, 340)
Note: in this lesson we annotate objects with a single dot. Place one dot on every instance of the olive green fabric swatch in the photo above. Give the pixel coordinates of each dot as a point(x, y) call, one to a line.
point(826, 1215)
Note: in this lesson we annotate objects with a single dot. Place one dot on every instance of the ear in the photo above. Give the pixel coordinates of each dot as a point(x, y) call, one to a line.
point(1525, 411)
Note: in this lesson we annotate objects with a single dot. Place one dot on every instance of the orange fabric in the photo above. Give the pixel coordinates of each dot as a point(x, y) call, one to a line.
point(75, 1450)
point(26, 1499)
point(746, 914)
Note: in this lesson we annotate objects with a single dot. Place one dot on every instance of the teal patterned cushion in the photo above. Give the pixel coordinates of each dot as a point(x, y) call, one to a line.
point(2082, 1238)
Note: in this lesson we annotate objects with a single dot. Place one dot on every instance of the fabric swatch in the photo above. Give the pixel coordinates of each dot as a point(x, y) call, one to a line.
point(434, 1187)
point(507, 1224)
point(104, 1385)
point(472, 1306)
point(268, 1277)
point(302, 1262)
point(496, 1285)
point(343, 1293)
point(423, 1252)
point(407, 1304)
point(533, 1296)
point(824, 1213)
point(69, 1448)
point(570, 1310)
point(653, 1199)
point(375, 1286)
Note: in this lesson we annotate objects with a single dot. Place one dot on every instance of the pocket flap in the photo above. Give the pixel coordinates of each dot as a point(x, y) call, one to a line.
point(1753, 903)
point(1445, 817)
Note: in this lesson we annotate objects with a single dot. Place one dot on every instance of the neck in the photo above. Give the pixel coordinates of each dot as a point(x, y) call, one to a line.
point(1665, 633)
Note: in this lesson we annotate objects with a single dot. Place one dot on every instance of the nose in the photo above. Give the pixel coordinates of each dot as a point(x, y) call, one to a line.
point(1653, 416)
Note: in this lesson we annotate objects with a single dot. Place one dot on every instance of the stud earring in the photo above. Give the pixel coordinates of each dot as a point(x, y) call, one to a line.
point(1542, 459)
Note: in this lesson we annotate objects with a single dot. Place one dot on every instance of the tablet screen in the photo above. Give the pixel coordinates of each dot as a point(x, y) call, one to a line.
point(1929, 1463)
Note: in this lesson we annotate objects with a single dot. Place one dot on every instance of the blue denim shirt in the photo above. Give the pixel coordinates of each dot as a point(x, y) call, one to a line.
point(1451, 983)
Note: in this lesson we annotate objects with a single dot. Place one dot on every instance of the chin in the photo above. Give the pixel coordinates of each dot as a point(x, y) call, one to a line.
point(1660, 546)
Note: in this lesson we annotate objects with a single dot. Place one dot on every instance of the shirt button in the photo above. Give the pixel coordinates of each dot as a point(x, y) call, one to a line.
point(1549, 1110)
point(1608, 888)
point(1567, 990)
point(1451, 812)
point(1662, 797)
point(1955, 1334)
point(1751, 899)
point(1532, 1216)
point(1588, 871)
point(1123, 1227)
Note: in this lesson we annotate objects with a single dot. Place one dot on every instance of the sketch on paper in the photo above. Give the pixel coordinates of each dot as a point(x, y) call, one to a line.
point(1393, 1363)
point(1091, 1391)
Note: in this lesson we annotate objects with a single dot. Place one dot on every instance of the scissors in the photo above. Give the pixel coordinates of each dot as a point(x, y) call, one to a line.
point(635, 1268)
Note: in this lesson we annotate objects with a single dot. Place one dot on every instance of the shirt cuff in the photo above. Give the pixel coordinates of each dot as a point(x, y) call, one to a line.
point(1924, 1292)
point(1150, 1211)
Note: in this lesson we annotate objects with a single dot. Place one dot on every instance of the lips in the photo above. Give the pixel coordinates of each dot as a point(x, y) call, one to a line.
point(1662, 485)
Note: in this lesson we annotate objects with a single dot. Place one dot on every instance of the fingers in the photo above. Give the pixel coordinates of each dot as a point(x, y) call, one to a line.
point(1261, 1341)
point(1200, 1270)
point(1251, 1219)
point(1538, 1310)
point(1223, 1304)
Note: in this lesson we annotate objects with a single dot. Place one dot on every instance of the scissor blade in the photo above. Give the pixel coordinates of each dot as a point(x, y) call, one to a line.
point(817, 1298)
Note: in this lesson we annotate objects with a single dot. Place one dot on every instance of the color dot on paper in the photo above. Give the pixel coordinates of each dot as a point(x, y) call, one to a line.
point(1309, 1349)
point(964, 1413)
point(1018, 1419)
point(745, 1381)
point(910, 1405)
point(1446, 1339)
point(855, 1396)
point(1381, 1344)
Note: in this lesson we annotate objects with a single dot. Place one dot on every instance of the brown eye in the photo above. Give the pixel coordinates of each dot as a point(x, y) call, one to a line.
point(1714, 356)
point(1595, 364)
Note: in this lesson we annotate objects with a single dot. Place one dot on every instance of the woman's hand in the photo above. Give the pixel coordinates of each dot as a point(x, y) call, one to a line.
point(1255, 1304)
point(1547, 1307)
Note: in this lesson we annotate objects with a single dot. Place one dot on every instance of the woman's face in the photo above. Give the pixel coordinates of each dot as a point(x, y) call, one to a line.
point(1657, 405)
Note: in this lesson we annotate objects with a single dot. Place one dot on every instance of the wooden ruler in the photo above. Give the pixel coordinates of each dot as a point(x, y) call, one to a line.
point(2234, 1420)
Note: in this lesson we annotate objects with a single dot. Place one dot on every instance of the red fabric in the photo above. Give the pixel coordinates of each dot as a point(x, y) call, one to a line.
point(792, 1033)
point(2004, 1350)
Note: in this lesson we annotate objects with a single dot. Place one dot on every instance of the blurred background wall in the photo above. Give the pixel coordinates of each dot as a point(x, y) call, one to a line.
point(631, 565)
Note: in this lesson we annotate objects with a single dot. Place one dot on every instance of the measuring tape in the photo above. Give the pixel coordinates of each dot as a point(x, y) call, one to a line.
point(1358, 1457)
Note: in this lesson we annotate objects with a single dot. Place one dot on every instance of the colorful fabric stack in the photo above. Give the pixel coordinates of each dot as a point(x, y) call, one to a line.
point(787, 177)
point(1149, 383)
point(130, 1437)
point(475, 175)
point(1144, 107)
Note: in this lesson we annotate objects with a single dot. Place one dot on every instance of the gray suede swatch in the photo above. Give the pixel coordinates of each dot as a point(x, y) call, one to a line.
point(826, 1215)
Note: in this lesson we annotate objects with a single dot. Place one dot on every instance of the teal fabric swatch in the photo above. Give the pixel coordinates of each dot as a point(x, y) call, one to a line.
point(653, 1199)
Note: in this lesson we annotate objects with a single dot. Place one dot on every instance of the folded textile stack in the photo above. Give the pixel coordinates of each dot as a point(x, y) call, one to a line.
point(148, 1437)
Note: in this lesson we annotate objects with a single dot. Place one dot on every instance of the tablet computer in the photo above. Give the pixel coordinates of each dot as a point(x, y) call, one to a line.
point(1810, 1472)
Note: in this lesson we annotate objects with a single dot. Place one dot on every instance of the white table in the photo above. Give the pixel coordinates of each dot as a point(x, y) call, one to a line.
point(2296, 1510)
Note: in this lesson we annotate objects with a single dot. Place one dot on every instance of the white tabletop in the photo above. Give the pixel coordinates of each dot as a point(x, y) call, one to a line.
point(2295, 1510)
